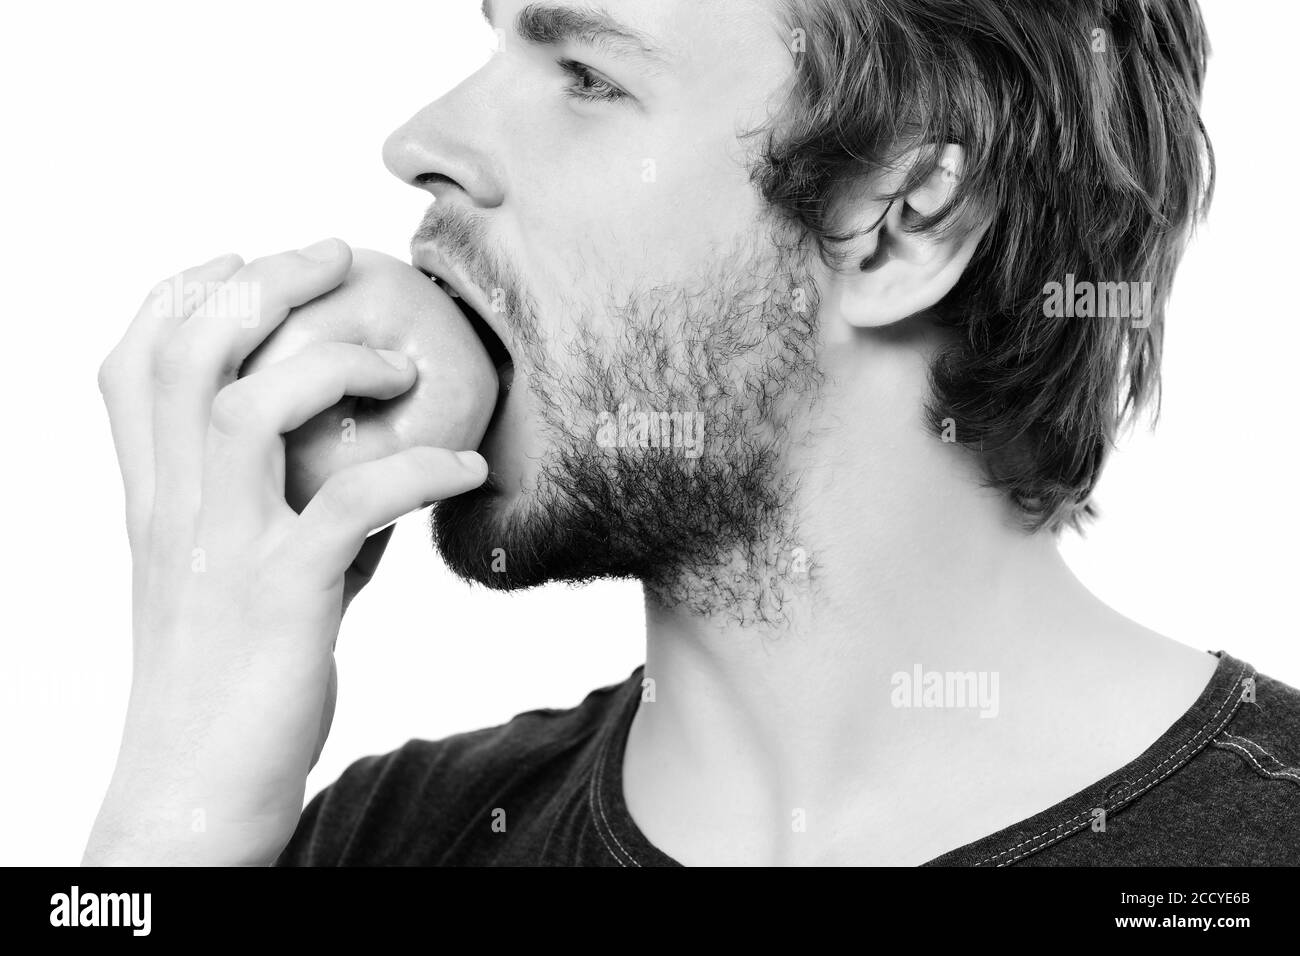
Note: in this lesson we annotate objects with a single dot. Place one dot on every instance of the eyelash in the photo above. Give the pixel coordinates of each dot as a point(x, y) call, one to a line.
point(580, 72)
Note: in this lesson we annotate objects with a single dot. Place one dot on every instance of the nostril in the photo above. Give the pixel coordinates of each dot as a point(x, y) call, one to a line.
point(430, 180)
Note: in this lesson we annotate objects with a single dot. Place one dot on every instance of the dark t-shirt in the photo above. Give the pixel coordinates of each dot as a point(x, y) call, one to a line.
point(1220, 787)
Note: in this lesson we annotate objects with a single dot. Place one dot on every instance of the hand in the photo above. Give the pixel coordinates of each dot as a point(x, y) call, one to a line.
point(237, 599)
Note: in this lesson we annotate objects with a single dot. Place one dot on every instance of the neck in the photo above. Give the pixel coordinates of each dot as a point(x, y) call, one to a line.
point(899, 562)
point(892, 551)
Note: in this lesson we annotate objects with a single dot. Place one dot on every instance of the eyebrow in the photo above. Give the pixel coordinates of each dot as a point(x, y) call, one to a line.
point(548, 24)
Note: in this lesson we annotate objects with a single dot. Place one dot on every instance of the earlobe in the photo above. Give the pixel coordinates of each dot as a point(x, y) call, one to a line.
point(898, 270)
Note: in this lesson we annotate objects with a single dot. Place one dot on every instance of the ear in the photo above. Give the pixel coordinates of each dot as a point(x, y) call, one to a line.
point(895, 273)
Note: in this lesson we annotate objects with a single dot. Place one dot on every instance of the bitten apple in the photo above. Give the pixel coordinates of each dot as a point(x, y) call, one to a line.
point(385, 303)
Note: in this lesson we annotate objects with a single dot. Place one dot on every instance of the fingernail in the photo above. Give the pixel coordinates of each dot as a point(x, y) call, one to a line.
point(397, 360)
point(472, 460)
point(324, 251)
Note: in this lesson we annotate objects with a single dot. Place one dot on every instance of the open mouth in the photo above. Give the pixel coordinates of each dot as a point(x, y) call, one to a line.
point(496, 349)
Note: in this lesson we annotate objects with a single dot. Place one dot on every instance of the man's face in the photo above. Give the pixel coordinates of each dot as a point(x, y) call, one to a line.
point(593, 201)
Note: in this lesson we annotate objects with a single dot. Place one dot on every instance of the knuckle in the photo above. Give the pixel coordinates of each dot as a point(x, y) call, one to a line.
point(257, 270)
point(109, 373)
point(343, 360)
point(287, 275)
point(420, 464)
point(270, 272)
point(340, 351)
point(324, 354)
point(235, 410)
point(174, 297)
point(162, 300)
point(339, 498)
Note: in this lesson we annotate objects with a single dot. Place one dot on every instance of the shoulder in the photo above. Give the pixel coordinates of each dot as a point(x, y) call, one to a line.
point(1265, 734)
point(1249, 779)
point(411, 805)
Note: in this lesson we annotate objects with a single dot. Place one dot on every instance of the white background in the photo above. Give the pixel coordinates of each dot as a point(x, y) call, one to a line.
point(140, 138)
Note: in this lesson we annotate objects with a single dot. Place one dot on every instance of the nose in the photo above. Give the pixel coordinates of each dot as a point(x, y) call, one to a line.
point(444, 148)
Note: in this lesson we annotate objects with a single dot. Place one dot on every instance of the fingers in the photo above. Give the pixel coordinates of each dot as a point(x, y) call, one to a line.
point(233, 321)
point(125, 377)
point(205, 353)
point(174, 300)
point(333, 526)
point(283, 396)
point(249, 415)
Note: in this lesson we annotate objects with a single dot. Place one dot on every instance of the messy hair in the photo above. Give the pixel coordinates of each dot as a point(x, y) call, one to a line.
point(1085, 152)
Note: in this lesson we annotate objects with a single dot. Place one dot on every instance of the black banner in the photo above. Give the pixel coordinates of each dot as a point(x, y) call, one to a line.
point(211, 905)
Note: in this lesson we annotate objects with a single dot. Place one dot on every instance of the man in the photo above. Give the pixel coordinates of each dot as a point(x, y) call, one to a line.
point(821, 319)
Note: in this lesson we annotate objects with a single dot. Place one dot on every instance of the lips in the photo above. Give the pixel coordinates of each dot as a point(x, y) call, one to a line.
point(472, 303)
point(496, 349)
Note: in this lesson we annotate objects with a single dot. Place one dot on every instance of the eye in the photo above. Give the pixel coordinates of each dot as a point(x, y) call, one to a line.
point(588, 85)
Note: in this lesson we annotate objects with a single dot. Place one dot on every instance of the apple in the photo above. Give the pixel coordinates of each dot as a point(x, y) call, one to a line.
point(385, 303)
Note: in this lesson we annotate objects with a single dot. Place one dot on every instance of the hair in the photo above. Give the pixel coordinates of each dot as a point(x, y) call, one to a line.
point(1085, 153)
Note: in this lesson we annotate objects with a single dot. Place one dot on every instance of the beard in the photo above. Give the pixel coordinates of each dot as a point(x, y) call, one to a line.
point(667, 441)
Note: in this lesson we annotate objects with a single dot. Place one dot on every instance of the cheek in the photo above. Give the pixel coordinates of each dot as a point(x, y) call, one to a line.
point(644, 212)
point(664, 236)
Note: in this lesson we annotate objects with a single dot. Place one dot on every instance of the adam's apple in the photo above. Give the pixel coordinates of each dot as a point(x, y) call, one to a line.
point(385, 304)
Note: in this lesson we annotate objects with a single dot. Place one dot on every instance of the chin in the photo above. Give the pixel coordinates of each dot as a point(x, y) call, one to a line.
point(509, 540)
point(481, 536)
